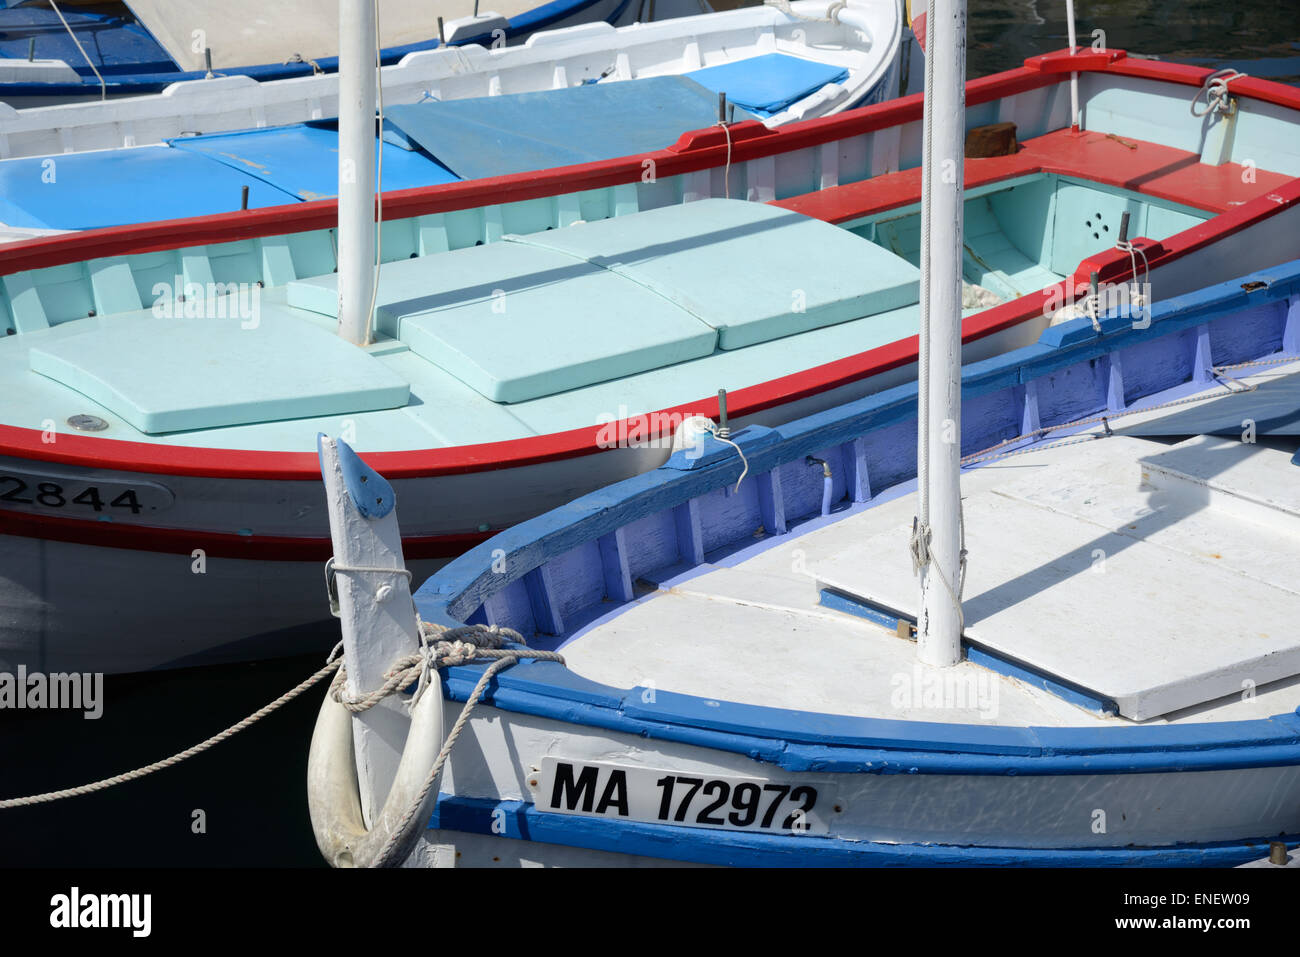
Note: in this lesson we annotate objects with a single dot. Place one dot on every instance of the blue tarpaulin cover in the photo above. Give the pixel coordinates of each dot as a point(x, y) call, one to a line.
point(767, 84)
point(500, 135)
point(118, 187)
point(303, 160)
point(190, 176)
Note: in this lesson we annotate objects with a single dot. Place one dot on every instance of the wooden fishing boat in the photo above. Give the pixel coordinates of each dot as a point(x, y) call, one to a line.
point(777, 65)
point(741, 684)
point(50, 55)
point(166, 467)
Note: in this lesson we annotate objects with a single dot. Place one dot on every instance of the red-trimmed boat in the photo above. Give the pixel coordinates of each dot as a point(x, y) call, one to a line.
point(541, 335)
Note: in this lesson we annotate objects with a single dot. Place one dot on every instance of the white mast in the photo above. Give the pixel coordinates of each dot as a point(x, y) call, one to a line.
point(1074, 76)
point(356, 233)
point(938, 546)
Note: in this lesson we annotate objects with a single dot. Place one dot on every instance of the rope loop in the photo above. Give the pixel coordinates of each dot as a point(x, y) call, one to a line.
point(1215, 92)
point(454, 646)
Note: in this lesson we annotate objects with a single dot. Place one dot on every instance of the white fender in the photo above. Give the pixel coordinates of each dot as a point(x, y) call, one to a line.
point(334, 798)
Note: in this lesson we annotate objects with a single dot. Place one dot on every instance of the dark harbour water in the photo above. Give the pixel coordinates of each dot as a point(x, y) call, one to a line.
point(251, 789)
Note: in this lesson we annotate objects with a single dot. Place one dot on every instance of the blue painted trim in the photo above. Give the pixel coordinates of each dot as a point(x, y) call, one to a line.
point(1064, 690)
point(369, 491)
point(1074, 694)
point(836, 601)
point(800, 741)
point(807, 741)
point(523, 821)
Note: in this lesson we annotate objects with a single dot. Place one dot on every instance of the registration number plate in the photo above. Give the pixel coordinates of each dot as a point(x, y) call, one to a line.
point(69, 494)
point(633, 793)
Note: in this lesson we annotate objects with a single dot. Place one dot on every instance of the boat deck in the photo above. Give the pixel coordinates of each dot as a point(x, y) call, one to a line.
point(1082, 558)
point(485, 344)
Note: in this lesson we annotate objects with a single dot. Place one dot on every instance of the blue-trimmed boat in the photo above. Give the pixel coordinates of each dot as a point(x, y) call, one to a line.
point(740, 685)
point(52, 55)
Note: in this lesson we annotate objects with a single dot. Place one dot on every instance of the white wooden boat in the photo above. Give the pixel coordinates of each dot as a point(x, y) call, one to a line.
point(740, 685)
point(786, 66)
point(222, 523)
point(50, 55)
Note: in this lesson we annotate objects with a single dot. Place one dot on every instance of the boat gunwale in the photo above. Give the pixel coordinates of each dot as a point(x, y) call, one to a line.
point(839, 743)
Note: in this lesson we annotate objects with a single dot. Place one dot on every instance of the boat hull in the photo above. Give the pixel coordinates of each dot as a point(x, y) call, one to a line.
point(1013, 815)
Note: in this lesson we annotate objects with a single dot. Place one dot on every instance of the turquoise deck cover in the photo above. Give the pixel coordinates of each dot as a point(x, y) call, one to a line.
point(172, 375)
point(515, 322)
point(303, 159)
point(499, 135)
point(752, 271)
point(120, 187)
point(769, 83)
point(558, 310)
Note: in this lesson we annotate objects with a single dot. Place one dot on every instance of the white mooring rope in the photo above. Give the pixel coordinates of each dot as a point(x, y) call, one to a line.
point(1215, 91)
point(103, 88)
point(454, 647)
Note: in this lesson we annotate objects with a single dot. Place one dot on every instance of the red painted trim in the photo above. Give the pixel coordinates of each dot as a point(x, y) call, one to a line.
point(215, 544)
point(1085, 59)
point(1147, 168)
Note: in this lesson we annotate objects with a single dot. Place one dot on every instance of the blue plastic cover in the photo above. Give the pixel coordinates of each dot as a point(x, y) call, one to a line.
point(767, 84)
point(303, 159)
point(500, 135)
point(113, 43)
point(119, 187)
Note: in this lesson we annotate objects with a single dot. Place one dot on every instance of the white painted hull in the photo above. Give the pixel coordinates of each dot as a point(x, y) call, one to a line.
point(885, 818)
point(558, 57)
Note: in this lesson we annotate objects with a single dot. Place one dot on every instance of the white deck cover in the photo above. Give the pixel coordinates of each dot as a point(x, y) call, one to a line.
point(1160, 577)
point(253, 32)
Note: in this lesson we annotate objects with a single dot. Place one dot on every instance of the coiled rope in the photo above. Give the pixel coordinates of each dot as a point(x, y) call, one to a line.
point(455, 646)
point(1215, 92)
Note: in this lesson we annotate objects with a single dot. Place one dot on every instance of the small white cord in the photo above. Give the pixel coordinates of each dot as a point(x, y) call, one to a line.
point(103, 89)
point(713, 430)
point(379, 181)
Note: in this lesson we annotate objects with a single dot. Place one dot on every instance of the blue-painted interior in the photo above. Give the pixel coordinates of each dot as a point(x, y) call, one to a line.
point(662, 513)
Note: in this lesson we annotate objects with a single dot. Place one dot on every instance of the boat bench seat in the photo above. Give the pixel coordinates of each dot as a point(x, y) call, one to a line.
point(164, 374)
point(549, 312)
